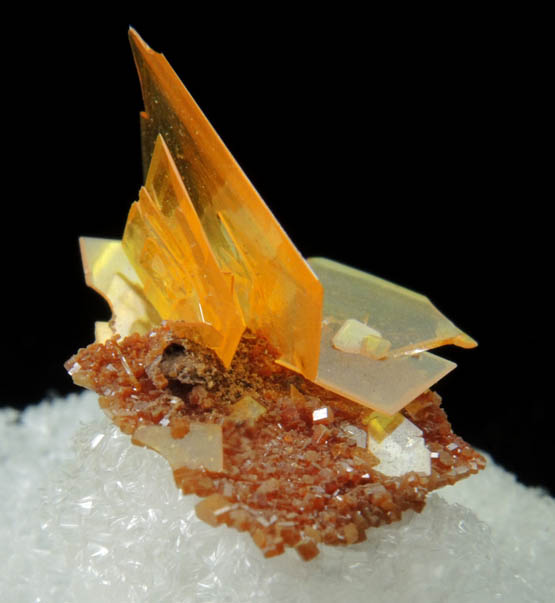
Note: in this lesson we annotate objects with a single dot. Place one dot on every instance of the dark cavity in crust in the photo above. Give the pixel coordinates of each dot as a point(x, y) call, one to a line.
point(286, 480)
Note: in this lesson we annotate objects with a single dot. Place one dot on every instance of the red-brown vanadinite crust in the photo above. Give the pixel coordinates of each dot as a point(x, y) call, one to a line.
point(288, 480)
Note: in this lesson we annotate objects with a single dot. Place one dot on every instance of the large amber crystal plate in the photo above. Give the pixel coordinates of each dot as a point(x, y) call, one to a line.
point(168, 248)
point(386, 385)
point(276, 290)
point(406, 320)
point(380, 361)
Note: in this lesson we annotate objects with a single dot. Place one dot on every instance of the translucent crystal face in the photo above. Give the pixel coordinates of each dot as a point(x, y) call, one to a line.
point(373, 338)
point(168, 248)
point(402, 451)
point(108, 271)
point(276, 291)
point(390, 318)
point(386, 385)
point(200, 447)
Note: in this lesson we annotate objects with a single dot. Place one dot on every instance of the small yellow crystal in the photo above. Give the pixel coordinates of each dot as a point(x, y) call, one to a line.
point(380, 426)
point(247, 409)
point(375, 347)
point(354, 337)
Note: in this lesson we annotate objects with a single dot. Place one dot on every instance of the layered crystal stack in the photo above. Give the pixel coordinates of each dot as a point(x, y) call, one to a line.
point(277, 387)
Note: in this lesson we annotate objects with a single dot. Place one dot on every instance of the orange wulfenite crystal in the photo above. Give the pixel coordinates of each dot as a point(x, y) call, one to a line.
point(276, 291)
point(168, 249)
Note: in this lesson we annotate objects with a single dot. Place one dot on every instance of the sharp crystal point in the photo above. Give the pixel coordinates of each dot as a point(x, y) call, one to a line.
point(275, 289)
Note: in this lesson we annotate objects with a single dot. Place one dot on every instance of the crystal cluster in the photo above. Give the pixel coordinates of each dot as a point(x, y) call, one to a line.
point(291, 394)
point(273, 453)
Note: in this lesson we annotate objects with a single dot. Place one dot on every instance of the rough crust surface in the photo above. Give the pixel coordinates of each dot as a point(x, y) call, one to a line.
point(287, 479)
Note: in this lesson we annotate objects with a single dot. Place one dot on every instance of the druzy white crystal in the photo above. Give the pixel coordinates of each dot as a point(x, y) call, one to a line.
point(110, 526)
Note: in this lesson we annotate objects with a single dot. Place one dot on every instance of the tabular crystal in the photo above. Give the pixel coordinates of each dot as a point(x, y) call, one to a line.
point(166, 244)
point(277, 292)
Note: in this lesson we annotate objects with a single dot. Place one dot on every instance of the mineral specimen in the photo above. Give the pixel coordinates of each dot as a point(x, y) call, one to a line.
point(292, 396)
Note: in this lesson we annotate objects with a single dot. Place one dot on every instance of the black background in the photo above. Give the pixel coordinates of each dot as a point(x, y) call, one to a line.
point(412, 153)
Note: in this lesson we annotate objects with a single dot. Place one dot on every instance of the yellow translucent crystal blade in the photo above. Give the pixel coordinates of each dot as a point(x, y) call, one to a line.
point(277, 292)
point(166, 244)
point(108, 271)
point(405, 319)
point(384, 385)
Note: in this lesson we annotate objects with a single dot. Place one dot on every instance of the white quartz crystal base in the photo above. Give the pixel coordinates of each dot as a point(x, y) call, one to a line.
point(103, 521)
